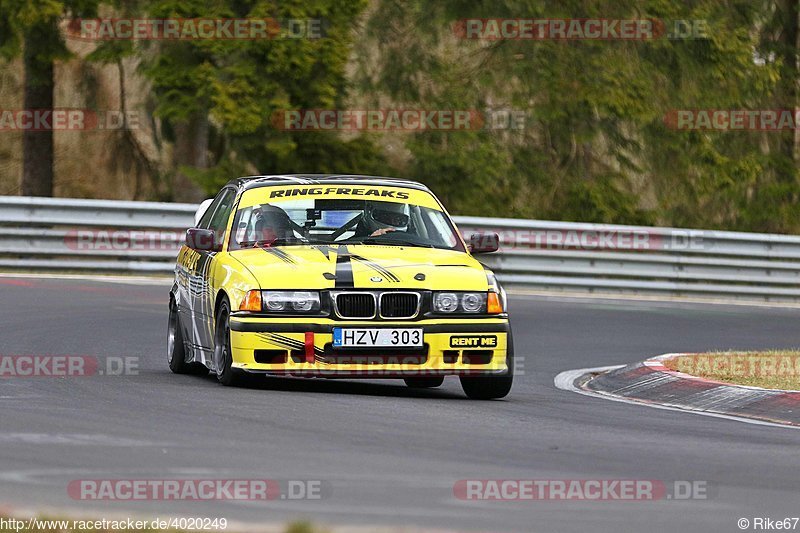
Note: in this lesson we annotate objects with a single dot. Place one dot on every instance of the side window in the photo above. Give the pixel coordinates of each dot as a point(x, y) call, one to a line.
point(206, 218)
point(216, 217)
point(439, 230)
point(219, 220)
point(244, 227)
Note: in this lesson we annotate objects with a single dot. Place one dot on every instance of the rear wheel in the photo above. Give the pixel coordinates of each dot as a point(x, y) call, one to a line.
point(176, 351)
point(424, 383)
point(491, 387)
point(223, 356)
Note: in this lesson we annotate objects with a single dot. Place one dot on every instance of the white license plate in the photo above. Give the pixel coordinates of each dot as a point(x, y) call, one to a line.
point(374, 337)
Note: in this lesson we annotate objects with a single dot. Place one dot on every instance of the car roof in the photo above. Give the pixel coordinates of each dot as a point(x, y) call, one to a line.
point(251, 182)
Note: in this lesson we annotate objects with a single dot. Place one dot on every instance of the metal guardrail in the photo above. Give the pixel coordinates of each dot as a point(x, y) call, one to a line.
point(144, 237)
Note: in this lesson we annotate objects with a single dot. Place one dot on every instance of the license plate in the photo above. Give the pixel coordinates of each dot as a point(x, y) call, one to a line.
point(374, 337)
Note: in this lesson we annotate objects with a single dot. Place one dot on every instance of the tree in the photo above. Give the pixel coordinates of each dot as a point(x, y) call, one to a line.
point(32, 26)
point(217, 98)
point(596, 146)
point(128, 153)
point(771, 204)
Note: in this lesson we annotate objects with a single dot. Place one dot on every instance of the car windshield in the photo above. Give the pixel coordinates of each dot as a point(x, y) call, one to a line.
point(342, 221)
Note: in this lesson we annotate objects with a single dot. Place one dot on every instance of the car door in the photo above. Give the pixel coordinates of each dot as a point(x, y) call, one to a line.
point(185, 277)
point(203, 298)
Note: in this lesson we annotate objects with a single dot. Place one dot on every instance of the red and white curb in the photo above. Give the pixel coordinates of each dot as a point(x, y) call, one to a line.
point(652, 384)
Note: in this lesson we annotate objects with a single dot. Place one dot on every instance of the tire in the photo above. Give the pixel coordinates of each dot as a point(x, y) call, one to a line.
point(176, 351)
point(223, 357)
point(424, 383)
point(491, 387)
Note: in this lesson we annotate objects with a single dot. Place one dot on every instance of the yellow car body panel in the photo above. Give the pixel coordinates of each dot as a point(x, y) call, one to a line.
point(463, 345)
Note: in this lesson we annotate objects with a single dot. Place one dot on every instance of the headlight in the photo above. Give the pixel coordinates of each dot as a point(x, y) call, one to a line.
point(471, 302)
point(291, 301)
point(445, 302)
point(461, 302)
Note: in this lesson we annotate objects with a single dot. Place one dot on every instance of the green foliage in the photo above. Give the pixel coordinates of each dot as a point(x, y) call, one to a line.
point(301, 526)
point(596, 146)
point(38, 17)
point(240, 85)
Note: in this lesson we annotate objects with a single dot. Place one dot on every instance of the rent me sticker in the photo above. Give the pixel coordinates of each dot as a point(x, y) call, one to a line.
point(473, 341)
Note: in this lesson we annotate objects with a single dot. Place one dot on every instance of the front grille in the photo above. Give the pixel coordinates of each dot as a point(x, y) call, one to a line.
point(355, 305)
point(399, 304)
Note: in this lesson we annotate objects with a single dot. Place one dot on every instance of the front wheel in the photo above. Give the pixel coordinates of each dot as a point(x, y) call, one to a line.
point(223, 356)
point(491, 387)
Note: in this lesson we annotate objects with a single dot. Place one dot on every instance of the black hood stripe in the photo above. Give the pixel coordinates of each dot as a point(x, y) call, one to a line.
point(344, 269)
point(377, 268)
point(280, 254)
point(344, 266)
point(325, 249)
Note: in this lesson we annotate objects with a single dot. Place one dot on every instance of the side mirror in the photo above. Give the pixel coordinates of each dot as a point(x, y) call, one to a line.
point(202, 210)
point(484, 243)
point(201, 240)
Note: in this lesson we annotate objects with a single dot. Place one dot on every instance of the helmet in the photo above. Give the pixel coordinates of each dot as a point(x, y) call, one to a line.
point(272, 223)
point(380, 215)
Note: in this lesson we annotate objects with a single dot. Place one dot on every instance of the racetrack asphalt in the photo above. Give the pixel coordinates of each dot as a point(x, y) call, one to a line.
point(387, 454)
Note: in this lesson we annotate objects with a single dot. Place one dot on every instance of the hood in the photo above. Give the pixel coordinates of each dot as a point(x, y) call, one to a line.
point(363, 267)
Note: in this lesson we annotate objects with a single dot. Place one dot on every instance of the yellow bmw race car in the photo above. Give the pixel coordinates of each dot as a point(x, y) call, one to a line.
point(337, 277)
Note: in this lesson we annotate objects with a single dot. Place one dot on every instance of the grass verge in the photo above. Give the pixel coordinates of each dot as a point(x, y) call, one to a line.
point(772, 369)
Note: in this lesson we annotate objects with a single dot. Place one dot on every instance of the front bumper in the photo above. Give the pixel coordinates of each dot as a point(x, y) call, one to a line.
point(303, 347)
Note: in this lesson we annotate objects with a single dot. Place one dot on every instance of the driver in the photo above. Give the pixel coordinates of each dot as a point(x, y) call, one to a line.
point(272, 223)
point(369, 226)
